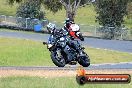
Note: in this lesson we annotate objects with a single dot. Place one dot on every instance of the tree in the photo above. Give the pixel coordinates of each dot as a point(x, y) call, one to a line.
point(12, 1)
point(111, 14)
point(70, 6)
point(129, 10)
point(30, 8)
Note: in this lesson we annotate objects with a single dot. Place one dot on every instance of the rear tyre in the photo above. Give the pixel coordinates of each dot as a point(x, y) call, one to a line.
point(57, 59)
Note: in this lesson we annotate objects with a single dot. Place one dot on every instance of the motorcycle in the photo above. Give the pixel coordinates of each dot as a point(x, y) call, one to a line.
point(62, 53)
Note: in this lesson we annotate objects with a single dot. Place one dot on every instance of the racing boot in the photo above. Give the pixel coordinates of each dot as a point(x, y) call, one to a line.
point(78, 49)
point(68, 58)
point(75, 46)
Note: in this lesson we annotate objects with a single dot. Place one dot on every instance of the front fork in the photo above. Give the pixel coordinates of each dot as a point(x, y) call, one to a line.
point(58, 51)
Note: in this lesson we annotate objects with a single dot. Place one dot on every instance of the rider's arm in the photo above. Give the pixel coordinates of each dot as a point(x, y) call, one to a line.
point(80, 36)
point(50, 39)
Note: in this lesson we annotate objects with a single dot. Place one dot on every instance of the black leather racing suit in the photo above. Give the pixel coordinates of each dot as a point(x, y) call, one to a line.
point(63, 32)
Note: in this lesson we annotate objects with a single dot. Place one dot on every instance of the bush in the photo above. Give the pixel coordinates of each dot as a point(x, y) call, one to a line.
point(110, 16)
point(30, 9)
point(111, 12)
point(131, 32)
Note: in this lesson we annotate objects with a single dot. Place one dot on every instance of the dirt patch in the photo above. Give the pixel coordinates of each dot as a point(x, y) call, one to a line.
point(39, 73)
point(113, 71)
point(87, 34)
point(57, 73)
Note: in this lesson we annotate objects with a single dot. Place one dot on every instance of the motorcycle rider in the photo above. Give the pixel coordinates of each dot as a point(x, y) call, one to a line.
point(73, 30)
point(67, 24)
point(62, 32)
point(51, 29)
point(54, 33)
point(56, 53)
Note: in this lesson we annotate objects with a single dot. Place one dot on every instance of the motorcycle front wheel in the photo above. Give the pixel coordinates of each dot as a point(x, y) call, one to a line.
point(84, 60)
point(58, 58)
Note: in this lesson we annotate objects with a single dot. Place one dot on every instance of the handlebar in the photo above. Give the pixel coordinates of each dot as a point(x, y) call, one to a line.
point(45, 43)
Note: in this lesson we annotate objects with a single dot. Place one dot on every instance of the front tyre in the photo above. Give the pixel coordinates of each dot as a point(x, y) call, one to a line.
point(57, 58)
point(84, 60)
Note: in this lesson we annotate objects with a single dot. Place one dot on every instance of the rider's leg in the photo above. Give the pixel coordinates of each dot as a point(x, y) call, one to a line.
point(74, 46)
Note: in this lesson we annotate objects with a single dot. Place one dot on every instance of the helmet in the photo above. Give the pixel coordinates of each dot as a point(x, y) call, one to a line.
point(69, 21)
point(74, 27)
point(51, 27)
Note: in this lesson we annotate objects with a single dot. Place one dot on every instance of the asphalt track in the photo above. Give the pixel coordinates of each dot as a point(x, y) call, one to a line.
point(117, 45)
point(127, 66)
point(125, 46)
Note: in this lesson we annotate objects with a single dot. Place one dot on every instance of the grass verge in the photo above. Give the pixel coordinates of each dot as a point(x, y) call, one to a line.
point(59, 82)
point(21, 52)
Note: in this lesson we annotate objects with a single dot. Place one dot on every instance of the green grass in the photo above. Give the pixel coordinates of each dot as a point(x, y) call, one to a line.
point(6, 9)
point(21, 52)
point(85, 15)
point(85, 18)
point(63, 82)
point(107, 56)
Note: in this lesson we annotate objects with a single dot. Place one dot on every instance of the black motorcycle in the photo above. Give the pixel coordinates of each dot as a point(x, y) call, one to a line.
point(62, 53)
